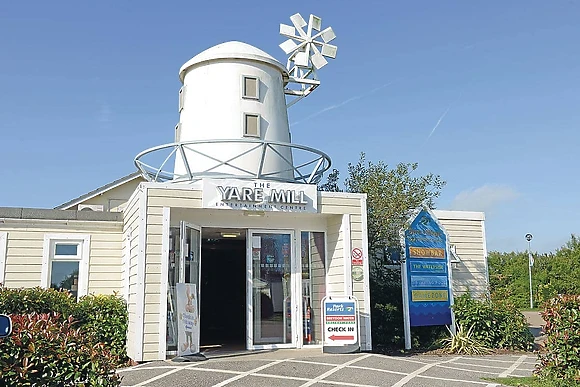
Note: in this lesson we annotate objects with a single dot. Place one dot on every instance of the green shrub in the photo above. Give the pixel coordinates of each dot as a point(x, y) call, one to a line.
point(105, 317)
point(463, 342)
point(36, 300)
point(562, 361)
point(497, 324)
point(45, 350)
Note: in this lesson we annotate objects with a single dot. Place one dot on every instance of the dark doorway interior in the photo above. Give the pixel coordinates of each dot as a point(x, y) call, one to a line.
point(223, 290)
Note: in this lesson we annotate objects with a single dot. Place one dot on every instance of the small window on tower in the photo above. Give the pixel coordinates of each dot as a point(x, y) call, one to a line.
point(181, 98)
point(251, 87)
point(252, 125)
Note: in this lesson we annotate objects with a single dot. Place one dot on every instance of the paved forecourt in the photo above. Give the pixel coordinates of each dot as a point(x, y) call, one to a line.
point(312, 368)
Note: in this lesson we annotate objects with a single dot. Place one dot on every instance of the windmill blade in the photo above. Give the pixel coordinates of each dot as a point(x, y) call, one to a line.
point(328, 35)
point(314, 23)
point(329, 50)
point(318, 61)
point(287, 30)
point(298, 21)
point(301, 59)
point(288, 46)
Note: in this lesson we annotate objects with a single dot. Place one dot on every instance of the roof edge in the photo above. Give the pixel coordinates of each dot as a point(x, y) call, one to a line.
point(98, 191)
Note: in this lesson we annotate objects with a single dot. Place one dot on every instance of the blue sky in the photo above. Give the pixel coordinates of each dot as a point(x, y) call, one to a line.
point(84, 87)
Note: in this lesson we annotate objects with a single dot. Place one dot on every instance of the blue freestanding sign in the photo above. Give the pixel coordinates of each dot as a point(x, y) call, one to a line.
point(427, 289)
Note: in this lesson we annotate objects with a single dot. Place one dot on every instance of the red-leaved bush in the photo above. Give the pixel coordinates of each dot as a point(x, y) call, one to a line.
point(44, 350)
point(562, 360)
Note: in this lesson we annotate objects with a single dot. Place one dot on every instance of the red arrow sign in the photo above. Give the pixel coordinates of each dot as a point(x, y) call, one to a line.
point(334, 337)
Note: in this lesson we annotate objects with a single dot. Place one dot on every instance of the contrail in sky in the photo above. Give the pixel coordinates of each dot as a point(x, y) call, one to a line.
point(336, 106)
point(443, 116)
point(439, 121)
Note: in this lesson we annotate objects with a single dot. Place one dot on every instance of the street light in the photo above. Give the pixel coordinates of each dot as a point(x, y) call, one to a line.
point(530, 264)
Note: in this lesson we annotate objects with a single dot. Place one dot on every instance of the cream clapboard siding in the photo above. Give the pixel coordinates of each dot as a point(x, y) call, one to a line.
point(466, 230)
point(157, 198)
point(338, 272)
point(24, 250)
point(131, 232)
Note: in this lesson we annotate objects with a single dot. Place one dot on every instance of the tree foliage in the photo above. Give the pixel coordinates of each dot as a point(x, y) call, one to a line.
point(392, 194)
point(552, 274)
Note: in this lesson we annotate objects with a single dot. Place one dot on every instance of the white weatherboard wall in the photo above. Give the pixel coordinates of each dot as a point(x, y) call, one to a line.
point(214, 107)
point(25, 249)
point(185, 202)
point(466, 230)
point(133, 233)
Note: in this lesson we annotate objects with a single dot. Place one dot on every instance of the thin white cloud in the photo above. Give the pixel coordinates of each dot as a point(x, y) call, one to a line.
point(340, 104)
point(484, 198)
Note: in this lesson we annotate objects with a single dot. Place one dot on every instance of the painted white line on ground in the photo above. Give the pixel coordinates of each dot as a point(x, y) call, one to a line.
point(493, 385)
point(145, 382)
point(334, 383)
point(512, 368)
point(407, 378)
point(237, 377)
point(336, 368)
point(282, 377)
point(493, 360)
point(403, 359)
point(312, 362)
point(214, 370)
point(377, 369)
point(150, 368)
point(478, 365)
point(467, 370)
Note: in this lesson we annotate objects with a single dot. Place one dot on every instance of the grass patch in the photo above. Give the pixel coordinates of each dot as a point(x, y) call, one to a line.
point(532, 381)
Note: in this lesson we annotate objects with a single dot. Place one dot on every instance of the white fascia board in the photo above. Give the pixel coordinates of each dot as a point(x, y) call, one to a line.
point(459, 215)
point(3, 252)
point(140, 291)
point(366, 272)
point(346, 195)
point(346, 248)
point(164, 278)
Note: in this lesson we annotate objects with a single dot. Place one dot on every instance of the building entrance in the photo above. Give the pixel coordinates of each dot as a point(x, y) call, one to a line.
point(223, 289)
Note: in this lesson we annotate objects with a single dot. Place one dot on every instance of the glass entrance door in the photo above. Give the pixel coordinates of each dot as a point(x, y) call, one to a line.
point(183, 289)
point(271, 307)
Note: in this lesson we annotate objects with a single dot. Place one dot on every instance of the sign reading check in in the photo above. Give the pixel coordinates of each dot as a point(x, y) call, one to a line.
point(259, 195)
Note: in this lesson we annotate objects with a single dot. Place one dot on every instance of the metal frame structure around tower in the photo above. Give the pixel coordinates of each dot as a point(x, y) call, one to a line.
point(269, 156)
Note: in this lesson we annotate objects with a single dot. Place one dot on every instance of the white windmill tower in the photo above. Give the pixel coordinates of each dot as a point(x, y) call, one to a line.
point(233, 112)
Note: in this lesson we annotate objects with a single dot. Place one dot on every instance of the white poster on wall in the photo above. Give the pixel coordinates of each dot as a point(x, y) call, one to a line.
point(187, 320)
point(259, 195)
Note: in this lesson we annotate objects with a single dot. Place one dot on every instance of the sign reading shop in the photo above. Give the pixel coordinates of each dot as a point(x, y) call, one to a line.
point(259, 195)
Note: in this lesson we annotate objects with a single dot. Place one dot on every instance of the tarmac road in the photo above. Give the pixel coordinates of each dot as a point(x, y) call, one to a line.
point(310, 367)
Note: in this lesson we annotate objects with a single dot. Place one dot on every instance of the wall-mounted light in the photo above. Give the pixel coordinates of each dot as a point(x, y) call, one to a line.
point(230, 234)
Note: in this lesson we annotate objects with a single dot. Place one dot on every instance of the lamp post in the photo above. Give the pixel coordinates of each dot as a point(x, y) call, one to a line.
point(530, 264)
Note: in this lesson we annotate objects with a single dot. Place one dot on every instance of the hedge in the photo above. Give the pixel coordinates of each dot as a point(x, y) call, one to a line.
point(88, 336)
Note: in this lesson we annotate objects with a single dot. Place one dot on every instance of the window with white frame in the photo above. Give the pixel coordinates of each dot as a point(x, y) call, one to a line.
point(251, 125)
point(65, 263)
point(250, 87)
